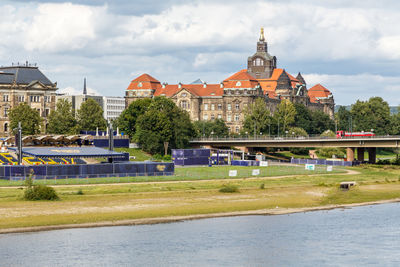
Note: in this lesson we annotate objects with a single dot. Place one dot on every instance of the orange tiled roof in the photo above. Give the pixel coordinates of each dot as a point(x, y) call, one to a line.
point(241, 79)
point(144, 81)
point(269, 85)
point(241, 75)
point(318, 91)
point(195, 89)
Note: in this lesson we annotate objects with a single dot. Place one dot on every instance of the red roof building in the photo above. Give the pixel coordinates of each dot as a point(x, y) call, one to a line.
point(229, 99)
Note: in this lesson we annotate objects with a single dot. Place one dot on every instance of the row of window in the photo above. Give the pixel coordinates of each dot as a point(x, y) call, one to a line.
point(212, 117)
point(116, 107)
point(114, 101)
point(113, 113)
point(236, 117)
point(32, 98)
point(219, 106)
point(237, 129)
point(46, 112)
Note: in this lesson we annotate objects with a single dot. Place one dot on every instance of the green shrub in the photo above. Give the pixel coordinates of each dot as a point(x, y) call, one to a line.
point(40, 192)
point(167, 158)
point(80, 192)
point(229, 189)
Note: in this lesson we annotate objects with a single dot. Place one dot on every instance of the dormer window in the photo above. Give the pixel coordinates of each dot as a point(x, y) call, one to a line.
point(140, 84)
point(238, 84)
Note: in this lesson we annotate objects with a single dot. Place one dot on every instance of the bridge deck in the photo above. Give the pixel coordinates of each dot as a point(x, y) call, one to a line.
point(261, 141)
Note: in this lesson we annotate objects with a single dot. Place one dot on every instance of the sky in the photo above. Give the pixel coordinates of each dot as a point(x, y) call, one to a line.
point(353, 49)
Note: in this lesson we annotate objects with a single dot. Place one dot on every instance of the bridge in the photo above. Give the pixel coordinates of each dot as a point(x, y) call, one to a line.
point(362, 144)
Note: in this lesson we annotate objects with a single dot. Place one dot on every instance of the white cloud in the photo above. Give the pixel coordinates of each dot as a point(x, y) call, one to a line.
point(208, 40)
point(58, 27)
point(73, 91)
point(349, 88)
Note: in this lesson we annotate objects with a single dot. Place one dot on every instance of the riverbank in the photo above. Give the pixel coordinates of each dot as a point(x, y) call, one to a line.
point(171, 219)
point(169, 201)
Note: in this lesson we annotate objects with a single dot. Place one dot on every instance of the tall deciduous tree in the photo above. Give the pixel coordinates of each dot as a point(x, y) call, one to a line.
point(257, 118)
point(30, 119)
point(90, 116)
point(163, 122)
point(62, 119)
point(303, 117)
point(343, 119)
point(127, 120)
point(371, 114)
point(285, 114)
point(321, 122)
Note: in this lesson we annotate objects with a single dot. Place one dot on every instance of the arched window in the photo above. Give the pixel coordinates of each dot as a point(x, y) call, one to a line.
point(5, 127)
point(237, 129)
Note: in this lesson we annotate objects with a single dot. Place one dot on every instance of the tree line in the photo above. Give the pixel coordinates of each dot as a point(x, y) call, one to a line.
point(155, 123)
point(62, 120)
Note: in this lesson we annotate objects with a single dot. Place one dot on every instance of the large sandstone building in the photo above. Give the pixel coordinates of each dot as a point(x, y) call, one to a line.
point(228, 99)
point(25, 83)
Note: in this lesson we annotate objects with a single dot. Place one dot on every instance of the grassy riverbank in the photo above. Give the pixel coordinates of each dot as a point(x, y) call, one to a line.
point(112, 202)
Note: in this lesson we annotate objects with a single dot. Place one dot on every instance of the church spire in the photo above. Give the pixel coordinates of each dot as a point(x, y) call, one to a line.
point(84, 86)
point(262, 38)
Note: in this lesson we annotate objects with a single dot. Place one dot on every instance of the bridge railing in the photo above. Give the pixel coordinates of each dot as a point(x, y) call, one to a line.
point(268, 138)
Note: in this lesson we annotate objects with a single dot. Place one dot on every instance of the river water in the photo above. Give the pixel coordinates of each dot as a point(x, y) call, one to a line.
point(368, 235)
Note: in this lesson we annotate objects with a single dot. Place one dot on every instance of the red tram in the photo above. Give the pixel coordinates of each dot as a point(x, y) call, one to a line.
point(341, 134)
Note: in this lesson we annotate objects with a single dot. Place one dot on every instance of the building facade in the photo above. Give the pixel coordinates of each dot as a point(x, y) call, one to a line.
point(25, 83)
point(229, 99)
point(113, 107)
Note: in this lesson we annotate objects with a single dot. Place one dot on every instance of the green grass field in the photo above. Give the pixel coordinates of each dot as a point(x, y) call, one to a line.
point(187, 174)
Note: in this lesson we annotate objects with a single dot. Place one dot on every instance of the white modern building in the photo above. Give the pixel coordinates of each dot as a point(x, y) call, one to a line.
point(113, 107)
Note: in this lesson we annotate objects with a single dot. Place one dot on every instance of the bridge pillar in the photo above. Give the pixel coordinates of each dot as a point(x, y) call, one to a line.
point(360, 154)
point(372, 155)
point(350, 153)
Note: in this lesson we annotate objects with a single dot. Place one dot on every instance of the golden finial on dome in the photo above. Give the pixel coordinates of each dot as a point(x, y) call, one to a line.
point(262, 38)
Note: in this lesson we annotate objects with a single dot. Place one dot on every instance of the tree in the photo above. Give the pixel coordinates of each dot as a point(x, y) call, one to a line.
point(303, 118)
point(127, 120)
point(257, 118)
point(395, 122)
point(343, 119)
point(372, 114)
point(215, 128)
point(320, 122)
point(30, 119)
point(163, 122)
point(62, 119)
point(90, 116)
point(285, 114)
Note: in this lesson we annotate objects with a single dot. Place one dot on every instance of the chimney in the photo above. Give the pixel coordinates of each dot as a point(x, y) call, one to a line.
point(221, 85)
point(204, 85)
point(179, 85)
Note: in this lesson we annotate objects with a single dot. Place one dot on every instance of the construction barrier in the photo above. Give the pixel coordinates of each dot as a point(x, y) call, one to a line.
point(325, 162)
point(191, 156)
point(118, 169)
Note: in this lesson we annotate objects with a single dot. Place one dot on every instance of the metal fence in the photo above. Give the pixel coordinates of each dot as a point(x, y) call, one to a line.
point(325, 162)
point(118, 169)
